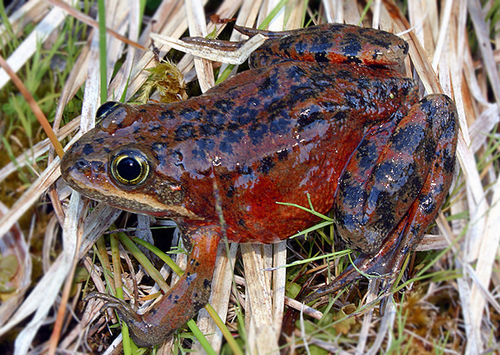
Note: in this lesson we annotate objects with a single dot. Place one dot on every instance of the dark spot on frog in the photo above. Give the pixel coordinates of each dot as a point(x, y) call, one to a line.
point(286, 43)
point(355, 100)
point(413, 185)
point(88, 149)
point(143, 110)
point(380, 41)
point(244, 169)
point(280, 122)
point(310, 115)
point(282, 154)
point(427, 107)
point(320, 48)
point(190, 114)
point(399, 174)
point(364, 84)
point(266, 164)
point(203, 149)
point(351, 47)
point(226, 148)
point(409, 139)
point(216, 117)
point(320, 83)
point(366, 154)
point(230, 191)
point(82, 164)
point(429, 151)
point(386, 212)
point(253, 102)
point(243, 115)
point(283, 49)
point(300, 95)
point(427, 204)
point(352, 193)
point(339, 116)
point(298, 74)
point(270, 85)
point(406, 86)
point(99, 141)
point(233, 136)
point(185, 132)
point(167, 115)
point(242, 223)
point(154, 126)
point(257, 132)
point(344, 74)
point(209, 129)
point(223, 106)
point(449, 161)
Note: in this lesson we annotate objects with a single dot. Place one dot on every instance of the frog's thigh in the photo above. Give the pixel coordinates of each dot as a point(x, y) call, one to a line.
point(445, 128)
point(385, 176)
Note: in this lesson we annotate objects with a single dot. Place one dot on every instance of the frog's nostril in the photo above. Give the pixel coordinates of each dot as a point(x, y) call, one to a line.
point(81, 164)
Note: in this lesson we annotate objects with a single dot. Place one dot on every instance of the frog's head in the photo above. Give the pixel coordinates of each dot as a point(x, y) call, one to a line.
point(119, 164)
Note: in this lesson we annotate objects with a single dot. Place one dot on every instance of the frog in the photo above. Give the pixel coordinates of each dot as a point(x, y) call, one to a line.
point(322, 117)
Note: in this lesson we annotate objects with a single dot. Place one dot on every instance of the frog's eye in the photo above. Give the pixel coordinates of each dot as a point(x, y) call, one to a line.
point(130, 167)
point(106, 109)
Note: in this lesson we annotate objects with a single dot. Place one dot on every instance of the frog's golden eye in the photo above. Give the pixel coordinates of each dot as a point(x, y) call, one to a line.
point(130, 167)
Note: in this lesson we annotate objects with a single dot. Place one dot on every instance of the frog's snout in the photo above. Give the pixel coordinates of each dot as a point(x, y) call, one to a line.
point(79, 165)
point(79, 171)
point(72, 169)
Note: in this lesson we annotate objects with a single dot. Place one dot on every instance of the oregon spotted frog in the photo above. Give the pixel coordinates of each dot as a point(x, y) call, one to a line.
point(320, 112)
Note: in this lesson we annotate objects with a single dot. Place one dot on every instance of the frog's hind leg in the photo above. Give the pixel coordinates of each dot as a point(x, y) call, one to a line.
point(388, 258)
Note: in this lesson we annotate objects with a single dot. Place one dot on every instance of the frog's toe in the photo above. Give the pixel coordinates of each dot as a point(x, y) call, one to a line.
point(380, 266)
point(126, 313)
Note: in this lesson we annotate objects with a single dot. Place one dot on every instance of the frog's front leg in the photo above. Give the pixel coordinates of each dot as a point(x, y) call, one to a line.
point(182, 302)
point(385, 210)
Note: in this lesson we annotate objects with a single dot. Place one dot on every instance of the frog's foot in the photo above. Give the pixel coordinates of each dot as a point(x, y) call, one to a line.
point(215, 50)
point(181, 303)
point(385, 264)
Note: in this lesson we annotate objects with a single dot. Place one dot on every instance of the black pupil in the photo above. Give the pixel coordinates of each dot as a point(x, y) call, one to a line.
point(129, 169)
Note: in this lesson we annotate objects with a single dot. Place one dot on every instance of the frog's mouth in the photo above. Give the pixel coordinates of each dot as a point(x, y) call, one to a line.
point(90, 179)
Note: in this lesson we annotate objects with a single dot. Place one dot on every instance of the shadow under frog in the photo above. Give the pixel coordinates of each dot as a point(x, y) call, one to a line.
point(321, 112)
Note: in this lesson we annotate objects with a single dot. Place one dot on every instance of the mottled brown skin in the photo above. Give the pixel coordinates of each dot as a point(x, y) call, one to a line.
point(319, 113)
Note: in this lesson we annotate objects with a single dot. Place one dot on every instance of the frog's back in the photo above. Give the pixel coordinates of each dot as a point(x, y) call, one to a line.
point(272, 135)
